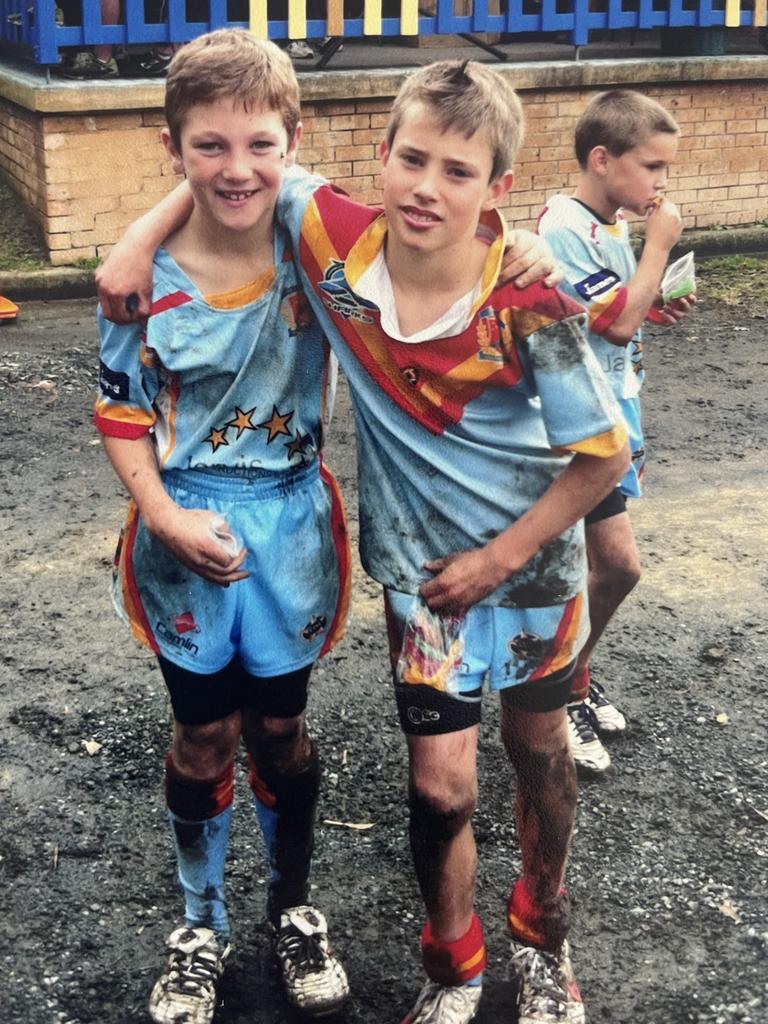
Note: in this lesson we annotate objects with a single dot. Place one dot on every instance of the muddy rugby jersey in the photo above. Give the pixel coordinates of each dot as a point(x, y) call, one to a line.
point(457, 437)
point(598, 263)
point(229, 383)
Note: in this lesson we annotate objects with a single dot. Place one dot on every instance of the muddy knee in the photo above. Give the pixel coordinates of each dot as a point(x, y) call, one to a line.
point(202, 752)
point(440, 816)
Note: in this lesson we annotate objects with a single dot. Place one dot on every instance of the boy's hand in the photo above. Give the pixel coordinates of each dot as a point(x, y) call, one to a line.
point(124, 282)
point(462, 580)
point(527, 259)
point(663, 225)
point(187, 534)
point(672, 312)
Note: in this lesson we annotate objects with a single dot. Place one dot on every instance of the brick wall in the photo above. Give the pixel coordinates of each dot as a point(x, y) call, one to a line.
point(86, 176)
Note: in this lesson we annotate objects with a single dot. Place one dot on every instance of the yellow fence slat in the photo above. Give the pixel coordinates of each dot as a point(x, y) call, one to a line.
point(409, 17)
point(335, 18)
point(297, 19)
point(372, 18)
point(759, 17)
point(732, 13)
point(257, 16)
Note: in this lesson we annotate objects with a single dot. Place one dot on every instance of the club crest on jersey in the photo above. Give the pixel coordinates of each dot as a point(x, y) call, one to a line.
point(489, 336)
point(339, 297)
point(314, 627)
point(597, 284)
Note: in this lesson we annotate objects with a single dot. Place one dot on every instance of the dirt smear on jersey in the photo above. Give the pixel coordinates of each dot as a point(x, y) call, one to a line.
point(670, 858)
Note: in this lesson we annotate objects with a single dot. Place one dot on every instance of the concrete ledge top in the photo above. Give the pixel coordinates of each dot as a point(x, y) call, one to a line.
point(30, 88)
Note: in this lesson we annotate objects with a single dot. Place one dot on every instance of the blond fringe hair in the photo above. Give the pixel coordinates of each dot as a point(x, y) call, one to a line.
point(466, 97)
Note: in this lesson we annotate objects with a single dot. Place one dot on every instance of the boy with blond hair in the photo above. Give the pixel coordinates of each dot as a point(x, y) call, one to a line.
point(233, 562)
point(485, 432)
point(625, 143)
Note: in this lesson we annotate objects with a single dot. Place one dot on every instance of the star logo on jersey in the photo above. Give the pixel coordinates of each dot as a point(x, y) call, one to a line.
point(299, 445)
point(339, 297)
point(242, 420)
point(217, 438)
point(277, 424)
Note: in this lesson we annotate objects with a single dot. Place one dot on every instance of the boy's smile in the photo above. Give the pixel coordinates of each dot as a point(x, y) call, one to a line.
point(233, 159)
point(436, 184)
point(634, 180)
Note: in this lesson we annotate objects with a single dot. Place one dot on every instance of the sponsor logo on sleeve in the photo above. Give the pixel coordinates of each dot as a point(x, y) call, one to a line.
point(597, 284)
point(113, 384)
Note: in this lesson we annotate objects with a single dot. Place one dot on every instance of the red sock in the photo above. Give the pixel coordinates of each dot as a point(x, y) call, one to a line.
point(580, 685)
point(457, 962)
point(537, 925)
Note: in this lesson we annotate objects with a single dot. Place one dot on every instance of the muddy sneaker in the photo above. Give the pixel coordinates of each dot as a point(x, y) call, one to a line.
point(587, 750)
point(315, 982)
point(86, 64)
point(300, 49)
point(547, 991)
point(444, 1004)
point(609, 718)
point(186, 990)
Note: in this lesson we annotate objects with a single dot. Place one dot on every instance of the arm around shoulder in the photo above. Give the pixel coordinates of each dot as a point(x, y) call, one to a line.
point(124, 279)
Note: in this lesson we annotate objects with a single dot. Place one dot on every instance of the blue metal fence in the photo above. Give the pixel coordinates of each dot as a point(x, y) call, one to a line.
point(30, 27)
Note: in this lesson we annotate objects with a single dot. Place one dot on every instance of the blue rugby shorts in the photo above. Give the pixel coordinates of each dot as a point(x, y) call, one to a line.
point(292, 608)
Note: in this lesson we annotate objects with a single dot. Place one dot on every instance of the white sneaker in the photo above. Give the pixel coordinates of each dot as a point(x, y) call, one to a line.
point(299, 49)
point(186, 990)
point(609, 718)
point(547, 990)
point(445, 1004)
point(587, 750)
point(314, 979)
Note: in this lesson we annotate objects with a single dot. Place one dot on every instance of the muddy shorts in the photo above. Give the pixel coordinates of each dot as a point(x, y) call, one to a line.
point(443, 663)
point(292, 607)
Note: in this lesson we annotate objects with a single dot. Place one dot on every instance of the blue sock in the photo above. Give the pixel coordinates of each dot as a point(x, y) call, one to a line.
point(201, 853)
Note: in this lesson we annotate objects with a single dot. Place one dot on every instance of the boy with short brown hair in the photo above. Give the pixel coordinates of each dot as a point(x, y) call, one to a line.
point(233, 563)
point(624, 143)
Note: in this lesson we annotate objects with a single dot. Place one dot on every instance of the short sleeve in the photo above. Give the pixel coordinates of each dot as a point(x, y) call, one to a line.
point(128, 381)
point(579, 410)
point(599, 289)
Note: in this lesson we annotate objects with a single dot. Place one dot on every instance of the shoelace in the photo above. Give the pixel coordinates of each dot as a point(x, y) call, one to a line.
point(446, 1004)
point(585, 722)
point(192, 973)
point(543, 974)
point(304, 951)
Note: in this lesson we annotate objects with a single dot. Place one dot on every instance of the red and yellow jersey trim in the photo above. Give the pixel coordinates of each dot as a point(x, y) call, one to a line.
point(602, 445)
point(121, 420)
point(603, 314)
point(432, 383)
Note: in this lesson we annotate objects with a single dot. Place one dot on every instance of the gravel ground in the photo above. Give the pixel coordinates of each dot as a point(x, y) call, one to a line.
point(671, 854)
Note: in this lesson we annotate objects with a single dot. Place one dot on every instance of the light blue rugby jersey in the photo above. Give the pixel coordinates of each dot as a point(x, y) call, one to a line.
point(232, 383)
point(598, 263)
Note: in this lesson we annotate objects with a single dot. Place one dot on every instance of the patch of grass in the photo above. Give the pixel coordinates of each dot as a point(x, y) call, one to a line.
point(21, 247)
point(733, 279)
